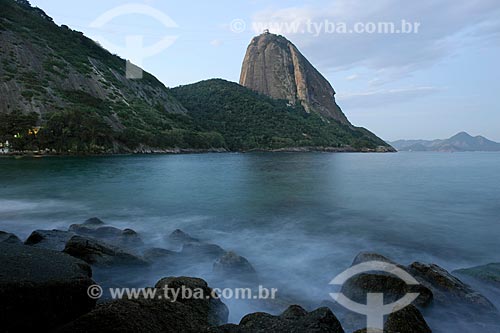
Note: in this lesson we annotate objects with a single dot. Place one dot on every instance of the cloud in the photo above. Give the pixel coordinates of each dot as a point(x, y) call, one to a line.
point(216, 42)
point(352, 77)
point(384, 97)
point(445, 27)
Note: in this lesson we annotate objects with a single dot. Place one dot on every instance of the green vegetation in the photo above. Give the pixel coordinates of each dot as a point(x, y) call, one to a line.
point(86, 105)
point(248, 120)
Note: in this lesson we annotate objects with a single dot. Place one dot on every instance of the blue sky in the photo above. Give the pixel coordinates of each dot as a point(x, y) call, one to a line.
point(431, 84)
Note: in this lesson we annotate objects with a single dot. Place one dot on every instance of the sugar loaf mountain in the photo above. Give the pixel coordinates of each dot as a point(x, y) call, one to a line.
point(61, 92)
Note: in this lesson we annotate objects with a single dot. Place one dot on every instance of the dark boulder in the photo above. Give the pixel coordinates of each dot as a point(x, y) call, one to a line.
point(41, 289)
point(159, 255)
point(155, 315)
point(49, 239)
point(448, 289)
point(234, 267)
point(371, 256)
point(209, 305)
point(100, 253)
point(387, 283)
point(94, 222)
point(391, 286)
point(95, 228)
point(294, 320)
point(202, 251)
point(7, 237)
point(407, 320)
point(179, 237)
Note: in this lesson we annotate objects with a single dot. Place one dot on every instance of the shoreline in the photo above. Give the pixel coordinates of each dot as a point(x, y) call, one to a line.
point(62, 262)
point(187, 151)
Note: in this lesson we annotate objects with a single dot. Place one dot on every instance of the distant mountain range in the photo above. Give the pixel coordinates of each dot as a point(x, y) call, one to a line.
point(457, 143)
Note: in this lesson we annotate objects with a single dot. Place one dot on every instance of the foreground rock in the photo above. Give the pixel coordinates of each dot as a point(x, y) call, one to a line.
point(371, 256)
point(448, 289)
point(234, 267)
point(101, 254)
point(407, 320)
point(41, 289)
point(447, 294)
point(390, 285)
point(7, 237)
point(489, 273)
point(179, 237)
point(158, 255)
point(294, 319)
point(208, 306)
point(202, 251)
point(156, 315)
point(96, 228)
point(49, 239)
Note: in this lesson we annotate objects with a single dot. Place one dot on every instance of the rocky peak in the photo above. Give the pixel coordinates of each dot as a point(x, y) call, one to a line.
point(275, 67)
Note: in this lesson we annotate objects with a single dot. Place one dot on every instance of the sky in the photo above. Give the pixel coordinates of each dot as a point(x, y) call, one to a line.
point(440, 77)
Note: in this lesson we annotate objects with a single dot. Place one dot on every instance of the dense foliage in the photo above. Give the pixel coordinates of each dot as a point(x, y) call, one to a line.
point(131, 114)
point(248, 120)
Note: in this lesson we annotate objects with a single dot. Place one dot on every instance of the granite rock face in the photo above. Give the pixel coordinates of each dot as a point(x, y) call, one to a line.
point(274, 67)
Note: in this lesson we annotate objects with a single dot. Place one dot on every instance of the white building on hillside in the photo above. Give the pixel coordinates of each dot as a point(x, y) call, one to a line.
point(4, 147)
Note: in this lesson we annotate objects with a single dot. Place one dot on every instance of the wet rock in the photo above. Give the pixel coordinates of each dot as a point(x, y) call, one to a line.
point(7, 237)
point(202, 251)
point(49, 239)
point(99, 253)
point(489, 273)
point(41, 289)
point(96, 228)
point(180, 237)
point(235, 267)
point(94, 222)
point(448, 289)
point(371, 256)
point(407, 320)
point(128, 239)
point(159, 255)
point(155, 315)
point(211, 308)
point(294, 319)
point(387, 283)
point(392, 287)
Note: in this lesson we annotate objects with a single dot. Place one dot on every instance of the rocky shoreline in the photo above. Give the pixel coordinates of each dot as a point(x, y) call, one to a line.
point(44, 285)
point(179, 151)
